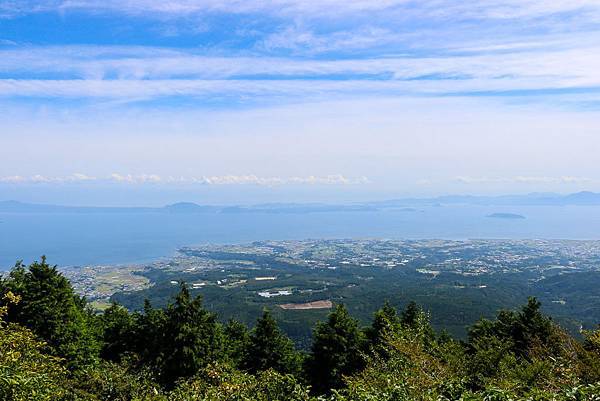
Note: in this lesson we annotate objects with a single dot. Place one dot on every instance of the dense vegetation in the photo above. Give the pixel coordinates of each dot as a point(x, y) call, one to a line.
point(467, 280)
point(54, 347)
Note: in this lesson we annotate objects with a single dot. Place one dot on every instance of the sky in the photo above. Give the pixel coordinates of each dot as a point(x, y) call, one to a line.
point(146, 102)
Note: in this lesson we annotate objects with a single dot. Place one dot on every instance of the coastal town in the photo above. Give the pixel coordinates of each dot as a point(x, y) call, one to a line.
point(309, 271)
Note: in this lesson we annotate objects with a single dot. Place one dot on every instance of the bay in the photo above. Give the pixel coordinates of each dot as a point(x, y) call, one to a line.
point(75, 239)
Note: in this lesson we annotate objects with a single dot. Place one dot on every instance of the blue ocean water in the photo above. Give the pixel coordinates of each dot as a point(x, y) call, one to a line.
point(116, 238)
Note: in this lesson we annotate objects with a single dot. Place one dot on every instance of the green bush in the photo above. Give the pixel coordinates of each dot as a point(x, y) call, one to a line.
point(26, 372)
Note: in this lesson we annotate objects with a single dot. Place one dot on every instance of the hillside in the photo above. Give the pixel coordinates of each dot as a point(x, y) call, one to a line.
point(54, 348)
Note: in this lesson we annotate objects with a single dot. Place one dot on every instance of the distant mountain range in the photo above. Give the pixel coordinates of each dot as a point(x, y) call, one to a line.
point(534, 199)
point(183, 208)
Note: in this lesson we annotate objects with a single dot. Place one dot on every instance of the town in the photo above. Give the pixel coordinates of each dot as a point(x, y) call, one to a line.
point(458, 281)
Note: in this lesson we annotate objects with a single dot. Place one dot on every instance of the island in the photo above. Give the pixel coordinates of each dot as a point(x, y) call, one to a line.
point(509, 216)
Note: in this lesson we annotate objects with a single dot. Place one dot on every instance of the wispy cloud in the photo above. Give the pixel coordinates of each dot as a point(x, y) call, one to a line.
point(38, 178)
point(393, 89)
point(487, 9)
point(305, 41)
point(149, 73)
point(302, 48)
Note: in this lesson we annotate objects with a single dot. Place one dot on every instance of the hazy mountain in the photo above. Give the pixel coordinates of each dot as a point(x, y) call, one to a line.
point(533, 199)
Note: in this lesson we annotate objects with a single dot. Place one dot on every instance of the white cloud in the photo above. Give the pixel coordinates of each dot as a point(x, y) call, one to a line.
point(353, 86)
point(97, 63)
point(336, 179)
point(38, 178)
point(150, 73)
point(445, 62)
point(135, 179)
point(81, 177)
point(393, 141)
point(186, 7)
point(13, 179)
point(472, 8)
point(306, 41)
point(306, 90)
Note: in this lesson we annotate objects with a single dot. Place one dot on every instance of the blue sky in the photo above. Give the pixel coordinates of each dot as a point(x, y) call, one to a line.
point(228, 101)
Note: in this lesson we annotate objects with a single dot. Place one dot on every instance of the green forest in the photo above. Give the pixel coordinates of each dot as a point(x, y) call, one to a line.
point(54, 346)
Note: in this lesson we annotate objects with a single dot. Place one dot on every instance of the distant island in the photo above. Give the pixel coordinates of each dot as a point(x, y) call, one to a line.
point(509, 216)
point(400, 205)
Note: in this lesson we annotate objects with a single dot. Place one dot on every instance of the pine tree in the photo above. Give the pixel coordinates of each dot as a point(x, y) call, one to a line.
point(337, 351)
point(50, 308)
point(192, 338)
point(149, 336)
point(269, 348)
point(519, 330)
point(410, 315)
point(117, 325)
point(385, 322)
point(237, 340)
point(415, 320)
point(532, 328)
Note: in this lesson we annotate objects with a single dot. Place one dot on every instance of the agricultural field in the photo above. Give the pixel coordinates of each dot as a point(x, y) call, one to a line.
point(457, 281)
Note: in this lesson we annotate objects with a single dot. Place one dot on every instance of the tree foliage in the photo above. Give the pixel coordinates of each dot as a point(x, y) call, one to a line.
point(117, 330)
point(182, 353)
point(269, 348)
point(220, 383)
point(26, 372)
point(337, 350)
point(237, 341)
point(180, 340)
point(50, 308)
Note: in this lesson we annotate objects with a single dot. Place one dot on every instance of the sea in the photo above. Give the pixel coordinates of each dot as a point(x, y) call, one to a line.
point(82, 239)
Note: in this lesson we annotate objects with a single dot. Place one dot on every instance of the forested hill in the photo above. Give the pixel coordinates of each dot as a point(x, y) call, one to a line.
point(54, 347)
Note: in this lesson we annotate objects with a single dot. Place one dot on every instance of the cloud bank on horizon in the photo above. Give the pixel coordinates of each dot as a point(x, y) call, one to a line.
point(157, 179)
point(419, 96)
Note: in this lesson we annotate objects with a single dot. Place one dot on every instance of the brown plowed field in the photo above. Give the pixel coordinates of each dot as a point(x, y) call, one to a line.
point(309, 305)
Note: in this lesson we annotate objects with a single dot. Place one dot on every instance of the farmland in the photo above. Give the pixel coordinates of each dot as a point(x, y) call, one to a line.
point(457, 281)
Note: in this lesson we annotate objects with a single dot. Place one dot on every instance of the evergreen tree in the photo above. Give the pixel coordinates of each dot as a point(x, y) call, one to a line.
point(520, 330)
point(385, 322)
point(414, 319)
point(237, 340)
point(410, 315)
point(532, 328)
point(192, 338)
point(149, 336)
point(513, 338)
point(337, 351)
point(269, 348)
point(118, 325)
point(50, 308)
